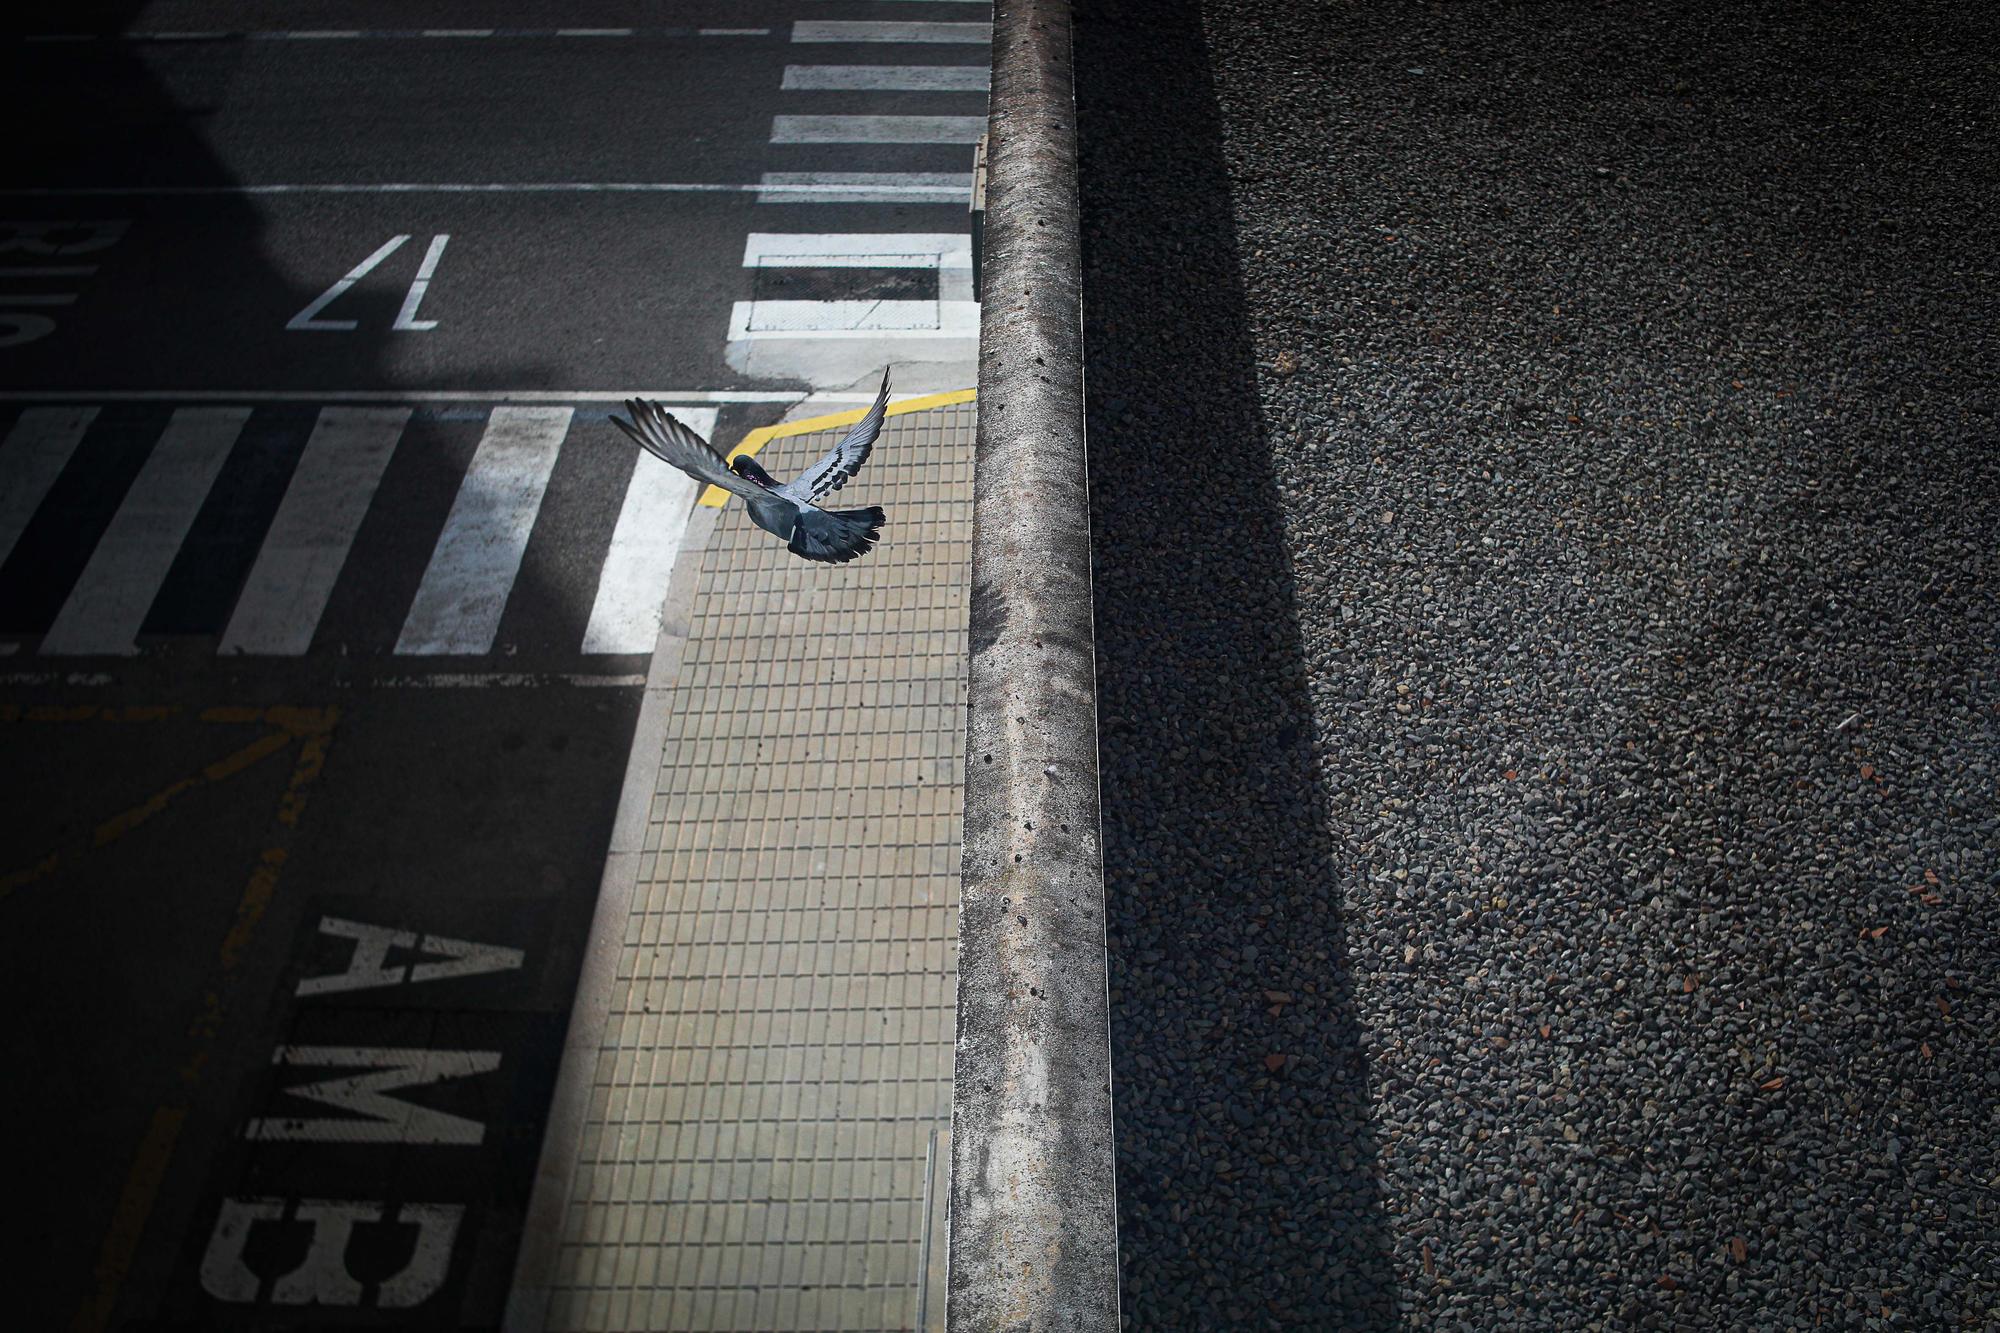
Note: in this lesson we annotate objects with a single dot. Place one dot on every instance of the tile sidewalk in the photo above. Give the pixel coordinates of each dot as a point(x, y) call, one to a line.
point(766, 1124)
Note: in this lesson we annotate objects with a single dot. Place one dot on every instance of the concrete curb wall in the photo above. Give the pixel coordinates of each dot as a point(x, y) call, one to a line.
point(1034, 1219)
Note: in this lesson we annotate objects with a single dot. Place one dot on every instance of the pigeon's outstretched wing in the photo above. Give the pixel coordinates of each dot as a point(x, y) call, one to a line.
point(656, 431)
point(842, 461)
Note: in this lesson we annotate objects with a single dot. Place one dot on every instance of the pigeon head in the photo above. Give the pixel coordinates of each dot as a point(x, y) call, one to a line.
point(745, 466)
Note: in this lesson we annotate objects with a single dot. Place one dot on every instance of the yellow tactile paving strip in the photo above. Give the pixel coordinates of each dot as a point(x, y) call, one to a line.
point(775, 1075)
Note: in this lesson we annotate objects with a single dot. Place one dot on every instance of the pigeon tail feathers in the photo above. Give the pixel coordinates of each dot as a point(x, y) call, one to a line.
point(836, 535)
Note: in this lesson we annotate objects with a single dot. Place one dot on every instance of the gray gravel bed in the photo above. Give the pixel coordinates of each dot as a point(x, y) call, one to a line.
point(1546, 488)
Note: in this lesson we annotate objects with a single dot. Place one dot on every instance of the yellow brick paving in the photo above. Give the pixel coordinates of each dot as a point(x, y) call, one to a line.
point(774, 1083)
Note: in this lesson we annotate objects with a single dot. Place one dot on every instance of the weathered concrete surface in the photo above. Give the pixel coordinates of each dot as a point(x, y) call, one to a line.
point(1033, 1202)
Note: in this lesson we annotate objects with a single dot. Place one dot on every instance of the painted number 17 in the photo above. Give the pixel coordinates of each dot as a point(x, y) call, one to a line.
point(308, 320)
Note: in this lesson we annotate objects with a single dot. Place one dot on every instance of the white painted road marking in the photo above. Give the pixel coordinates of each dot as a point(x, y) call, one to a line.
point(420, 395)
point(406, 318)
point(491, 680)
point(43, 237)
point(464, 592)
point(625, 618)
point(368, 969)
point(430, 680)
point(303, 552)
point(888, 78)
point(307, 319)
point(430, 1259)
point(385, 34)
point(322, 1276)
point(948, 252)
point(34, 454)
point(770, 249)
point(888, 186)
point(472, 569)
point(224, 1275)
point(877, 129)
point(130, 562)
point(854, 319)
point(387, 1119)
point(866, 187)
point(813, 30)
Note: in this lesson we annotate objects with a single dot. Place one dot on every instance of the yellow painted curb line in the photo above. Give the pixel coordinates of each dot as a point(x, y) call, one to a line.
point(715, 497)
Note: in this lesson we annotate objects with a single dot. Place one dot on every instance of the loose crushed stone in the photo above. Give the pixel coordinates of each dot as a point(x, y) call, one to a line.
point(1546, 491)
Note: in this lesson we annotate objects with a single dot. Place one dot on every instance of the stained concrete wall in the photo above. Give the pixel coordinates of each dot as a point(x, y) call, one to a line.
point(1034, 1224)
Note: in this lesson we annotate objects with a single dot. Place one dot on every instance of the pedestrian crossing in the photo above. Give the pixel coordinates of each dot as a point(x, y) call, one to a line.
point(843, 30)
point(109, 602)
point(35, 453)
point(472, 570)
point(864, 187)
point(886, 78)
point(896, 129)
point(127, 526)
point(877, 129)
point(315, 525)
point(644, 544)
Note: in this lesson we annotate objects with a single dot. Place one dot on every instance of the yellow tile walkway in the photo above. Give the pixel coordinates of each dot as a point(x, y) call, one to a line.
point(763, 1141)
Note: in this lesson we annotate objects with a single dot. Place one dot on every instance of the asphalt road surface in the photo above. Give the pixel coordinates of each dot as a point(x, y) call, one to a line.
point(328, 590)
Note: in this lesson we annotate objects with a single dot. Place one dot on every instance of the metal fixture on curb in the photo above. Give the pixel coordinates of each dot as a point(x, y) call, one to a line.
point(978, 209)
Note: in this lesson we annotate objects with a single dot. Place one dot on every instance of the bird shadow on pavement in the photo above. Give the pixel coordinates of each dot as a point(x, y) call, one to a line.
point(1248, 1191)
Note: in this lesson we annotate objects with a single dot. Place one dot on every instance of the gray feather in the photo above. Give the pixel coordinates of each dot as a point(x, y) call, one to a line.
point(836, 535)
point(660, 434)
point(833, 469)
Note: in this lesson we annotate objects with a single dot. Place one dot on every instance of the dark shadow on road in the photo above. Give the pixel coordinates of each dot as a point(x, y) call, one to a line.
point(1248, 1194)
point(136, 1053)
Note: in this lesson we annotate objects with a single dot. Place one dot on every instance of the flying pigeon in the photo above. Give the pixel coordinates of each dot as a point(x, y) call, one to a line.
point(787, 510)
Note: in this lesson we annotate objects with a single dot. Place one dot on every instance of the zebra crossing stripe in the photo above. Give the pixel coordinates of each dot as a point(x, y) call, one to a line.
point(464, 590)
point(110, 600)
point(864, 249)
point(865, 187)
point(625, 618)
point(887, 78)
point(316, 523)
point(877, 129)
point(824, 30)
point(854, 319)
point(33, 455)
